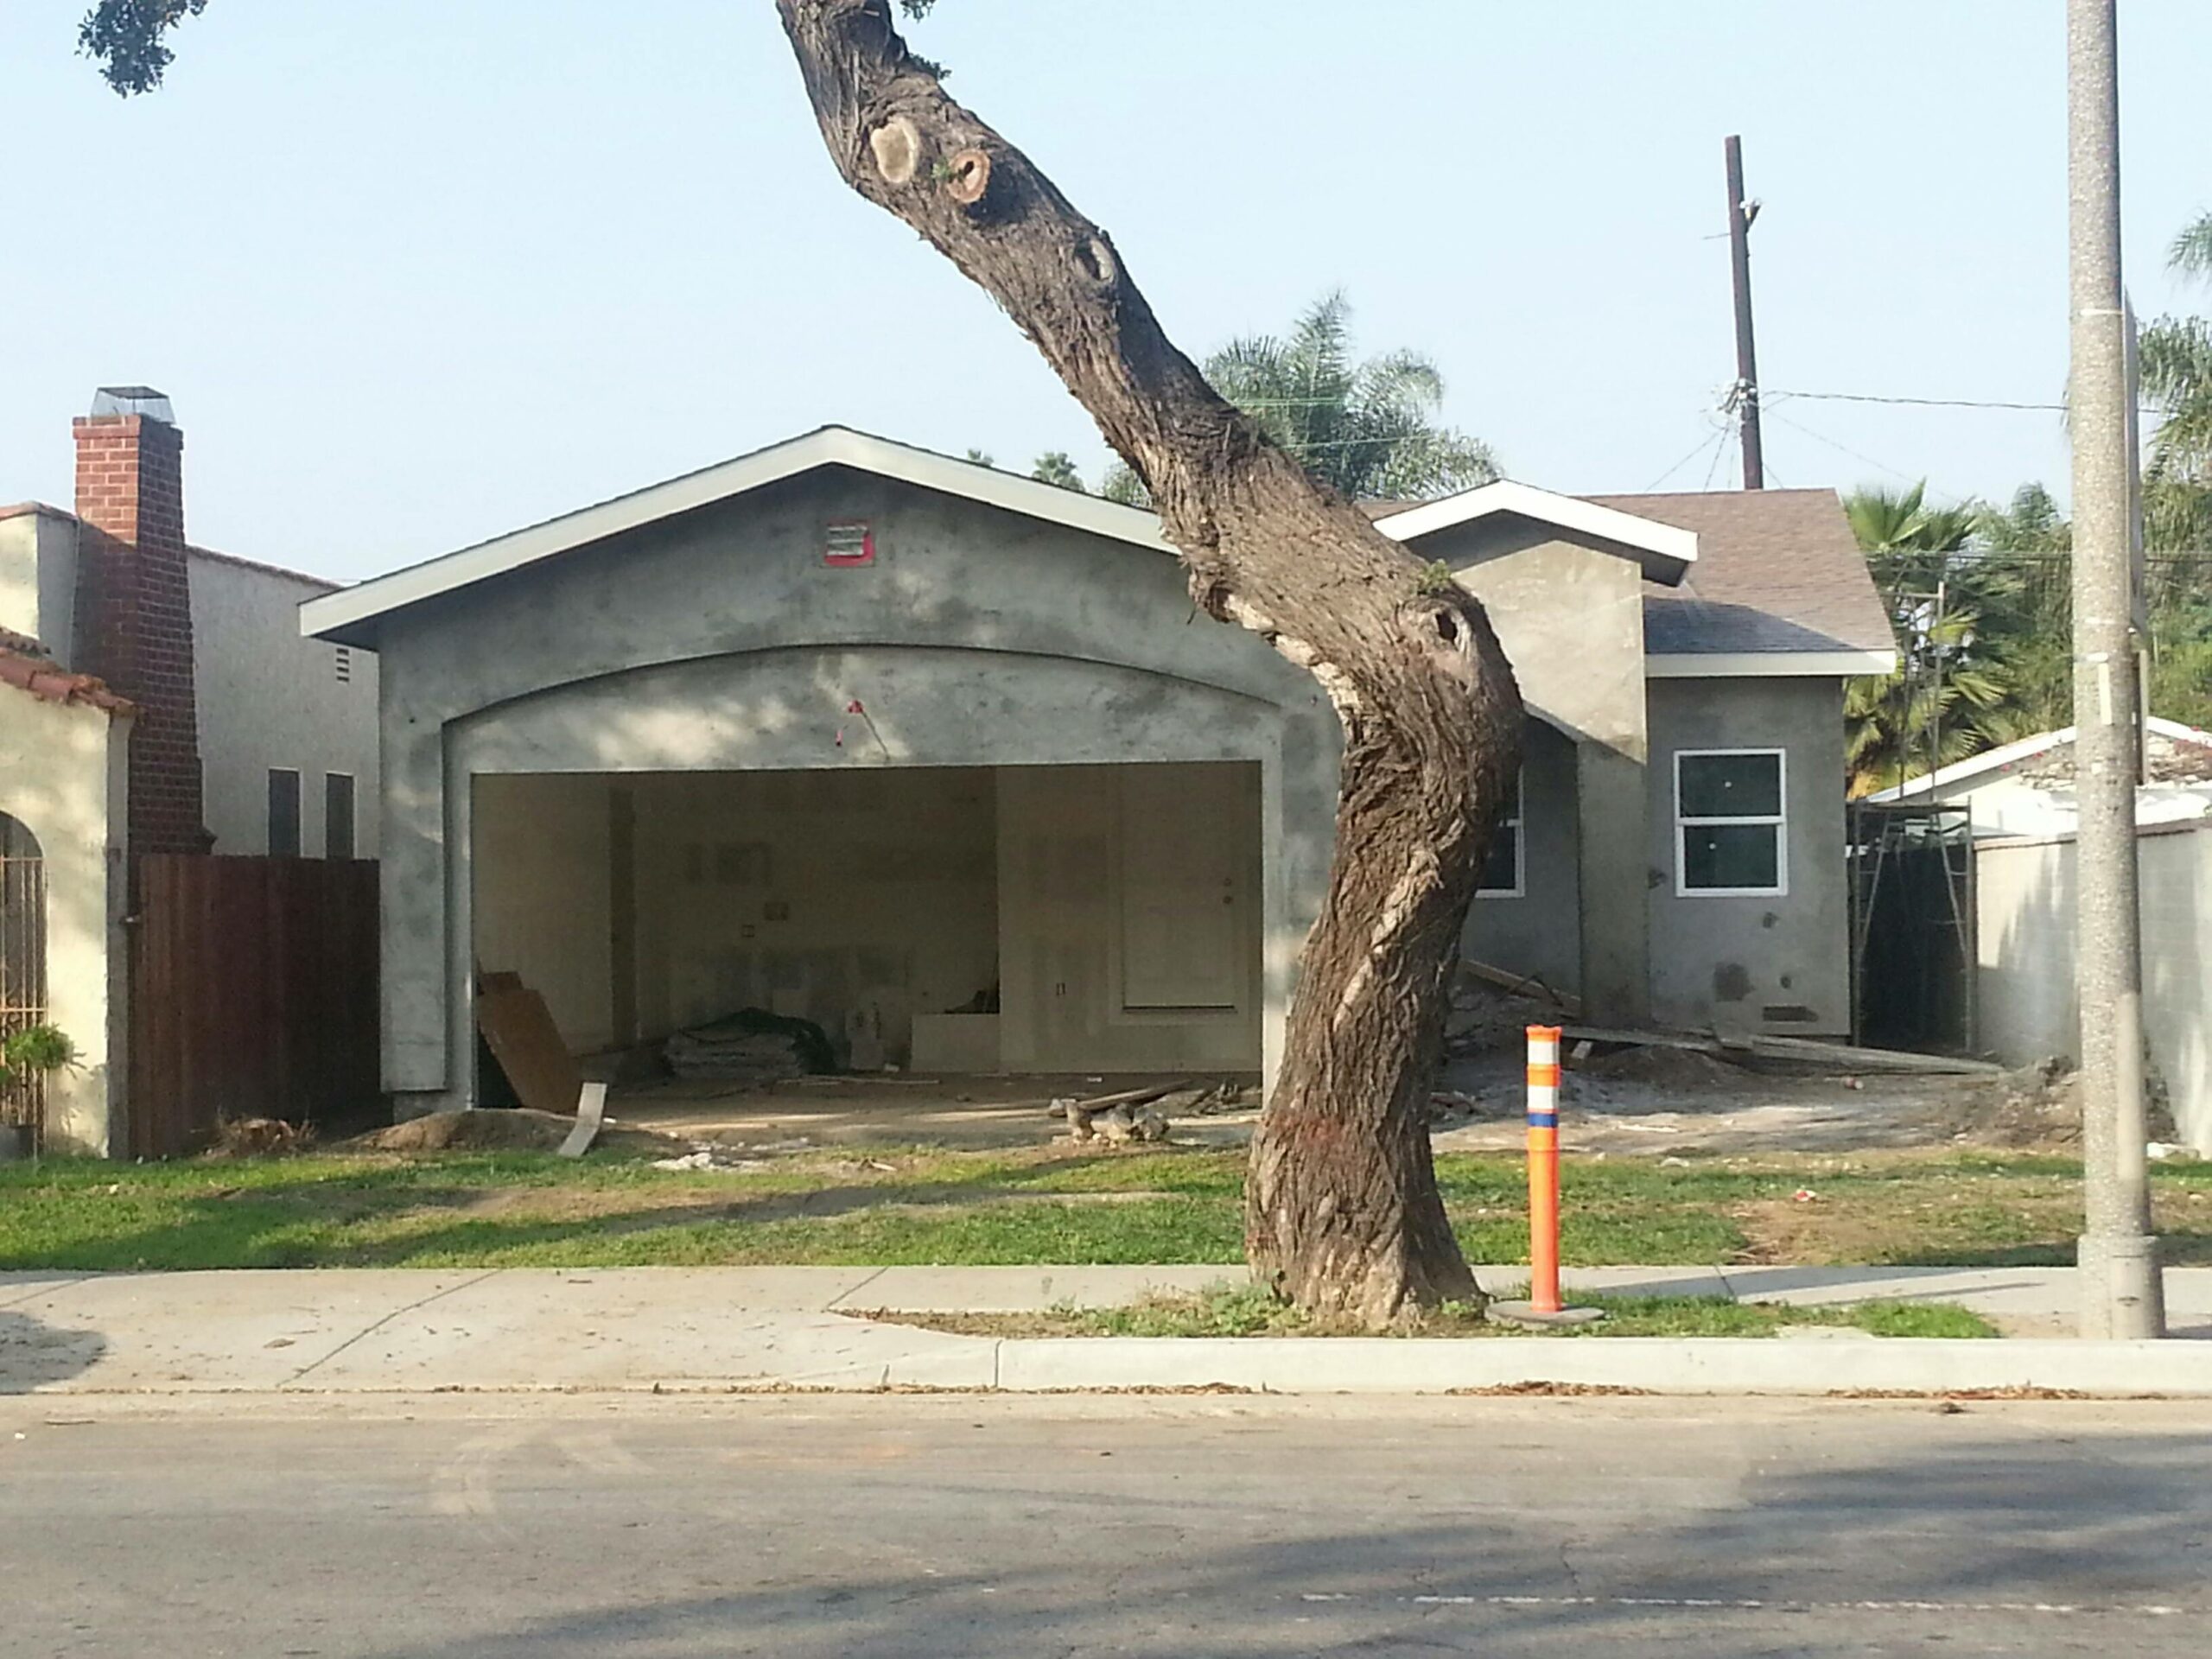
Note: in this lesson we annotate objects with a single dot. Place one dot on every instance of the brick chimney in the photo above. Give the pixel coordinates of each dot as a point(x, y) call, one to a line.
point(135, 608)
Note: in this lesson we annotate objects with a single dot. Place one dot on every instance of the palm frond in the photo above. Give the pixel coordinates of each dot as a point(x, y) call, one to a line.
point(2191, 253)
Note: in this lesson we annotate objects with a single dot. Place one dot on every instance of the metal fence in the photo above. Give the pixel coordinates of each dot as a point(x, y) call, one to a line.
point(23, 971)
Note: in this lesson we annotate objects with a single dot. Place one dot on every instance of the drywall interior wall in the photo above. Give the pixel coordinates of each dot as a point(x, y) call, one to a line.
point(540, 862)
point(1090, 890)
point(853, 899)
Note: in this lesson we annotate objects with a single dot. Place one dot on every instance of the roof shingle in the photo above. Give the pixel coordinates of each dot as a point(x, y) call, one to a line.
point(1776, 570)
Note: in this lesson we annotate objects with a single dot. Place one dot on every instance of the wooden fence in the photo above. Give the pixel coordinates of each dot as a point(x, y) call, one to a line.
point(253, 994)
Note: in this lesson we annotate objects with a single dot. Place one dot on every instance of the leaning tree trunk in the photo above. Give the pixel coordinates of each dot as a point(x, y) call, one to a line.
point(1342, 1213)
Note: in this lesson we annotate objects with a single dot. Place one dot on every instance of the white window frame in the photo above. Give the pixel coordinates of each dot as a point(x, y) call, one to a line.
point(1517, 819)
point(1779, 822)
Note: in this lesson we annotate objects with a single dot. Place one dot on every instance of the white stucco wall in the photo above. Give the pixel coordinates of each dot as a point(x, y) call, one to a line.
point(62, 776)
point(2026, 1008)
point(269, 699)
point(38, 578)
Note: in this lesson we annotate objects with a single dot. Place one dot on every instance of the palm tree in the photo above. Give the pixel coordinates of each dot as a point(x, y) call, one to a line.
point(1898, 726)
point(1370, 428)
point(2176, 358)
point(1057, 467)
point(1911, 719)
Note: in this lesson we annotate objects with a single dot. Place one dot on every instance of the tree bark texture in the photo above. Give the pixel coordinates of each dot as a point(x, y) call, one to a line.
point(1342, 1213)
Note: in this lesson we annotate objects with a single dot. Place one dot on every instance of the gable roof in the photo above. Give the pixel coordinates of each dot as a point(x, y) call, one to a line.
point(347, 616)
point(1665, 551)
point(1774, 587)
point(1991, 764)
point(1777, 584)
point(1781, 577)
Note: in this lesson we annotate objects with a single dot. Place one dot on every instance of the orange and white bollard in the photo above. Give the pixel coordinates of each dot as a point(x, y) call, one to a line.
point(1543, 1306)
point(1543, 1169)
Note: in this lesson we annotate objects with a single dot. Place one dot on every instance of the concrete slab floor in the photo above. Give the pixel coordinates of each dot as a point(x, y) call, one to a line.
point(965, 1113)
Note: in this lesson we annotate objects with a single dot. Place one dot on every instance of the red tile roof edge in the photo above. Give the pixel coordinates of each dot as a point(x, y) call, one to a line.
point(38, 676)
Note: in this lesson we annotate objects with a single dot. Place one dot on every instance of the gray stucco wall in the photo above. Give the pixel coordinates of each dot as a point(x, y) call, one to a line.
point(720, 640)
point(268, 698)
point(1777, 963)
point(1538, 932)
point(1569, 615)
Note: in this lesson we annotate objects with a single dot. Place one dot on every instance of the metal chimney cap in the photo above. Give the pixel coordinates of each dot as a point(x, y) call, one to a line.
point(134, 400)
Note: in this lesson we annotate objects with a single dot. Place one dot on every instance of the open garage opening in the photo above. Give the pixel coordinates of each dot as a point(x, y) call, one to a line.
point(1018, 923)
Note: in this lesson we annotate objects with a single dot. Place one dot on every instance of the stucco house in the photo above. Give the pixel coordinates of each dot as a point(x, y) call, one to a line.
point(850, 730)
point(2023, 816)
point(2026, 788)
point(164, 701)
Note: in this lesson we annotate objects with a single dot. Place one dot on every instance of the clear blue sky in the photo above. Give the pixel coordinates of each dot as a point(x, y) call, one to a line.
point(420, 272)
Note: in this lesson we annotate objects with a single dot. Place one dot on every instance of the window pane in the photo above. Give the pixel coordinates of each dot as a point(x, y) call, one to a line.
point(337, 816)
point(1498, 869)
point(283, 813)
point(1731, 855)
point(1731, 786)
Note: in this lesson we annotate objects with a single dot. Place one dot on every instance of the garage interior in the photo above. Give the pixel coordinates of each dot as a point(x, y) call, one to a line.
point(943, 921)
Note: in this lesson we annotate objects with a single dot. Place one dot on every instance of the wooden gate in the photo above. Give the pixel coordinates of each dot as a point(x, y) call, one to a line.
point(253, 994)
point(23, 970)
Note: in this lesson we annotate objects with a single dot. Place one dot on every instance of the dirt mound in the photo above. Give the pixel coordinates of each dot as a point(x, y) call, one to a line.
point(1482, 1019)
point(1666, 1068)
point(519, 1130)
point(2033, 1106)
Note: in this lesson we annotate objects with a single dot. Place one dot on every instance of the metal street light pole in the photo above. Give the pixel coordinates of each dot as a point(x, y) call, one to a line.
point(2121, 1292)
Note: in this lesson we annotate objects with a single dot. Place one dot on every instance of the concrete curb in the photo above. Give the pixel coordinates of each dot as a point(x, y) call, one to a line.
point(1644, 1365)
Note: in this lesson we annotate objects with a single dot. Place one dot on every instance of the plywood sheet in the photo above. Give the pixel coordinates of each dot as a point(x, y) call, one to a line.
point(527, 1045)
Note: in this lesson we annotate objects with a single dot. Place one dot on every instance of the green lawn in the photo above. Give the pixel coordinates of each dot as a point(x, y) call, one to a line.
point(1048, 1204)
point(1248, 1311)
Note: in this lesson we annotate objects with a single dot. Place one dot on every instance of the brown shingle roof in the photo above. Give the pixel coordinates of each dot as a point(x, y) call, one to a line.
point(1776, 570)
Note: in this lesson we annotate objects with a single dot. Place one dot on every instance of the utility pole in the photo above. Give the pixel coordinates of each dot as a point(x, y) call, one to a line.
point(1746, 393)
point(2122, 1295)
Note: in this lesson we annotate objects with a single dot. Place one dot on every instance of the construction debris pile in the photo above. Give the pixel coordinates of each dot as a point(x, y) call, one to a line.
point(751, 1048)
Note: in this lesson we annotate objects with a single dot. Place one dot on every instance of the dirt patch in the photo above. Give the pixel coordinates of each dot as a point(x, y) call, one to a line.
point(1673, 1069)
point(518, 1130)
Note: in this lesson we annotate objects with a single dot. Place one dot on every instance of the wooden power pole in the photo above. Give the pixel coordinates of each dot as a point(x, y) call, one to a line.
point(1747, 394)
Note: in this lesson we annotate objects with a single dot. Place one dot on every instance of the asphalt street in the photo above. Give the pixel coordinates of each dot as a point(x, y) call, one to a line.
point(483, 1527)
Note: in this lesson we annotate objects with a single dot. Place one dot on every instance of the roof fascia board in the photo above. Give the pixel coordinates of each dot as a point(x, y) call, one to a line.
point(1766, 664)
point(347, 611)
point(2012, 754)
point(1666, 552)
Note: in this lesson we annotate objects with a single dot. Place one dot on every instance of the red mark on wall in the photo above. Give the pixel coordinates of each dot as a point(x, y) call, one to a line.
point(847, 543)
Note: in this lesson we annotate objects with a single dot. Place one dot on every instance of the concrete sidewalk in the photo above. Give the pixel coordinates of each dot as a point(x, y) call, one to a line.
point(676, 1328)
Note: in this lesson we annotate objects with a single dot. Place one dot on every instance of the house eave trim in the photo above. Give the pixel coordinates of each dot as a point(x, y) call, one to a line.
point(1765, 665)
point(345, 617)
point(1664, 551)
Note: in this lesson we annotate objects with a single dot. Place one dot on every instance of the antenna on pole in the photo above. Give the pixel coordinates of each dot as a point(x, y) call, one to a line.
point(1744, 396)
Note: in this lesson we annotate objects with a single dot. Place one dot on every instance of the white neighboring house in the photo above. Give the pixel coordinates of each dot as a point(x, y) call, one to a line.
point(2027, 788)
point(2023, 815)
point(163, 701)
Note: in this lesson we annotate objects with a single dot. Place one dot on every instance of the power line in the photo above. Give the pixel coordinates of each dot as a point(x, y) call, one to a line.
point(1841, 448)
point(1719, 436)
point(1917, 403)
point(1719, 449)
point(1936, 403)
